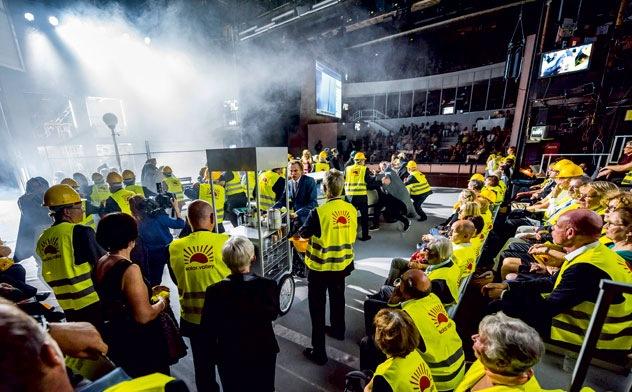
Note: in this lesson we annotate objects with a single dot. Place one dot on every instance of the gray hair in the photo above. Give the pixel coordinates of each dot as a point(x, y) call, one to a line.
point(442, 246)
point(238, 253)
point(334, 182)
point(511, 345)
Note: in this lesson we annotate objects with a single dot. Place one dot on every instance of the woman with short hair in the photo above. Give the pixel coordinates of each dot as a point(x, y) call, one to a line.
point(404, 369)
point(506, 349)
point(131, 328)
point(237, 316)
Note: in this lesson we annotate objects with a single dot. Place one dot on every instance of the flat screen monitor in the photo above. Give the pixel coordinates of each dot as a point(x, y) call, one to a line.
point(565, 61)
point(328, 91)
point(538, 132)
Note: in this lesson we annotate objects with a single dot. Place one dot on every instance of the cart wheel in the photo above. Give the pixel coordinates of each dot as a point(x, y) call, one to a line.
point(286, 294)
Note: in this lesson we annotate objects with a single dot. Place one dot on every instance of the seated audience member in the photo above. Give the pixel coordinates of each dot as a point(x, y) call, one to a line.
point(506, 351)
point(464, 254)
point(14, 275)
point(619, 171)
point(404, 369)
point(618, 224)
point(563, 313)
point(237, 318)
point(465, 196)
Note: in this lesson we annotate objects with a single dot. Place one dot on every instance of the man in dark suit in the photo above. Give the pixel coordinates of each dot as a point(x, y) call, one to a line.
point(302, 190)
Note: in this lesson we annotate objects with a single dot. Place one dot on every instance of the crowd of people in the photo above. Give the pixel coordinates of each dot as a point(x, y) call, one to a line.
point(531, 274)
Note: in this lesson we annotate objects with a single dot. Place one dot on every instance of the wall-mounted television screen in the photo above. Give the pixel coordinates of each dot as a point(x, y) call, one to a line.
point(565, 61)
point(328, 91)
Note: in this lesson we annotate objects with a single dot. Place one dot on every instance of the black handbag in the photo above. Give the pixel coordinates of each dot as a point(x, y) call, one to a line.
point(174, 343)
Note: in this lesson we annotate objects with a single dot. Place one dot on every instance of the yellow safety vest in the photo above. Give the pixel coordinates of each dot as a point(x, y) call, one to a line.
point(220, 199)
point(321, 167)
point(71, 283)
point(137, 189)
point(568, 206)
point(571, 325)
point(452, 276)
point(627, 180)
point(465, 255)
point(88, 219)
point(174, 186)
point(99, 194)
point(354, 180)
point(555, 203)
point(496, 191)
point(477, 371)
point(420, 187)
point(267, 197)
point(196, 261)
point(248, 180)
point(151, 383)
point(444, 348)
point(234, 187)
point(333, 250)
point(121, 197)
point(407, 374)
point(489, 195)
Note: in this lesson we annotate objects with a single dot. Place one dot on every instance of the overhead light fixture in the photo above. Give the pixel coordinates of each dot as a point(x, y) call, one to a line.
point(53, 21)
point(324, 4)
point(283, 15)
point(147, 40)
point(264, 27)
point(29, 16)
point(248, 30)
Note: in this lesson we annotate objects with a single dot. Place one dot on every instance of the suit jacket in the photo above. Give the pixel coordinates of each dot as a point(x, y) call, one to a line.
point(237, 316)
point(305, 198)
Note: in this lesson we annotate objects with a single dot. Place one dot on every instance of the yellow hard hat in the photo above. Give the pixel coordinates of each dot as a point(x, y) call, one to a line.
point(411, 165)
point(559, 164)
point(167, 170)
point(128, 174)
point(114, 178)
point(70, 182)
point(215, 175)
point(359, 156)
point(61, 195)
point(568, 171)
point(478, 177)
point(97, 177)
point(322, 155)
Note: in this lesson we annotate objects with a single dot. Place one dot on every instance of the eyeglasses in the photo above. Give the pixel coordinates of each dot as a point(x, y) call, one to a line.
point(397, 282)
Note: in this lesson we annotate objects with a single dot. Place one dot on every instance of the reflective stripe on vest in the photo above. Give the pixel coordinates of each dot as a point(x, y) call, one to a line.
point(444, 348)
point(267, 197)
point(321, 167)
point(451, 273)
point(420, 187)
point(409, 374)
point(174, 186)
point(555, 203)
point(354, 180)
point(234, 187)
point(71, 283)
point(571, 325)
point(121, 197)
point(248, 180)
point(153, 382)
point(333, 250)
point(568, 205)
point(477, 371)
point(137, 189)
point(196, 261)
point(220, 199)
point(465, 255)
point(99, 194)
point(627, 180)
point(88, 220)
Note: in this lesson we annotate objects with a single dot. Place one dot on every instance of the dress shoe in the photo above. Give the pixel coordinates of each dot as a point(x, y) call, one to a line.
point(318, 359)
point(406, 224)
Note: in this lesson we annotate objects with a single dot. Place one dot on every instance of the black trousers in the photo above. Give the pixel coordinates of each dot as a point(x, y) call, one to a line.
point(16, 277)
point(156, 260)
point(394, 208)
point(203, 360)
point(234, 201)
point(418, 201)
point(318, 285)
point(361, 203)
point(248, 373)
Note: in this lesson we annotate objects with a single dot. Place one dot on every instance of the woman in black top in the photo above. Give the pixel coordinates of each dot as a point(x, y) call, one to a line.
point(237, 315)
point(131, 326)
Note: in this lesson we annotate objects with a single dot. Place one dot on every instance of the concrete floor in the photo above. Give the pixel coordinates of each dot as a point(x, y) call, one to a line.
point(294, 372)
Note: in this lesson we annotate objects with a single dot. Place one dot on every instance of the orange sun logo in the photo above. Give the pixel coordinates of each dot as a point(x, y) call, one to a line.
point(198, 254)
point(355, 172)
point(50, 247)
point(626, 265)
point(341, 217)
point(420, 379)
point(438, 315)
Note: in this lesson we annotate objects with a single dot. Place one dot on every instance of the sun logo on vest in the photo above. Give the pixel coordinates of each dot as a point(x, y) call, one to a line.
point(341, 218)
point(439, 317)
point(420, 379)
point(198, 254)
point(355, 172)
point(627, 266)
point(50, 247)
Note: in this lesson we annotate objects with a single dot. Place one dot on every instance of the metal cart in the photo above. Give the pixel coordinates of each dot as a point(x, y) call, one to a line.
point(272, 247)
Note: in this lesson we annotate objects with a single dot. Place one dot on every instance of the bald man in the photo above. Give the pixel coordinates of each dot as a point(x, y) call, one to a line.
point(464, 254)
point(195, 263)
point(560, 306)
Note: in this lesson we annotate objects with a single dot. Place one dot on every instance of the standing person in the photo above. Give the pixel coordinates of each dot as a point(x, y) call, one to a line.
point(172, 183)
point(118, 201)
point(99, 191)
point(68, 252)
point(270, 186)
point(331, 229)
point(418, 187)
point(357, 180)
point(150, 175)
point(131, 328)
point(307, 161)
point(89, 211)
point(83, 183)
point(237, 318)
point(321, 165)
point(33, 218)
point(196, 263)
point(394, 197)
point(303, 194)
point(217, 199)
point(235, 194)
point(129, 180)
point(334, 159)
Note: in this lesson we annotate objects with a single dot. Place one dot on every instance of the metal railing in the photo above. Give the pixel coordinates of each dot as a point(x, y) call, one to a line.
point(369, 114)
point(609, 290)
point(617, 148)
point(549, 157)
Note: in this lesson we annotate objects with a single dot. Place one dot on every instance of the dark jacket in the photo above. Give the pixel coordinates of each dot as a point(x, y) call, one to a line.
point(237, 317)
point(33, 219)
point(305, 198)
